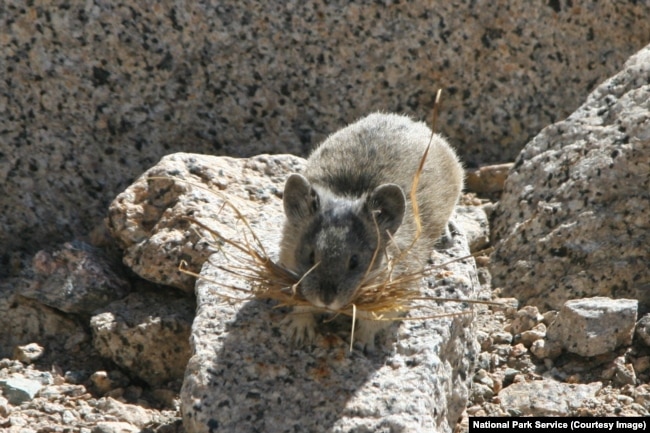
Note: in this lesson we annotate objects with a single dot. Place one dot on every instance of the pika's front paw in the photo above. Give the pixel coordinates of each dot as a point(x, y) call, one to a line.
point(366, 333)
point(300, 326)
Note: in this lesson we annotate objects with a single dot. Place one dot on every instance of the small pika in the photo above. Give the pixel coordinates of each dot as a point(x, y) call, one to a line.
point(353, 199)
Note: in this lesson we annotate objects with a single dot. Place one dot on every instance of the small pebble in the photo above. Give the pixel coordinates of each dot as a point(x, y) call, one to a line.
point(28, 353)
point(502, 337)
point(525, 319)
point(5, 408)
point(101, 381)
point(518, 350)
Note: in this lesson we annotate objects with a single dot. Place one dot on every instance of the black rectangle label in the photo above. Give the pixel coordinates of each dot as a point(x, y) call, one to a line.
point(552, 424)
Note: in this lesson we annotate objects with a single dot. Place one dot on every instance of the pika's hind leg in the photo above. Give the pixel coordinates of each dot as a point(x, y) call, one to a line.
point(446, 240)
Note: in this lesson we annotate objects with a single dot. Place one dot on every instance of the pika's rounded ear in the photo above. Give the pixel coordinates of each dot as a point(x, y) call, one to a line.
point(388, 203)
point(300, 199)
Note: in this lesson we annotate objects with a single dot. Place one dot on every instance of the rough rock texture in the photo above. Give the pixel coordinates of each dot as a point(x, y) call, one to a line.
point(574, 217)
point(74, 278)
point(19, 389)
point(245, 372)
point(147, 333)
point(151, 215)
point(525, 319)
point(474, 223)
point(24, 321)
point(593, 326)
point(93, 93)
point(542, 398)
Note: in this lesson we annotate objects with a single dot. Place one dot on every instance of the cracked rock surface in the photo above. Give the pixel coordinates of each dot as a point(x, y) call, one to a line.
point(573, 218)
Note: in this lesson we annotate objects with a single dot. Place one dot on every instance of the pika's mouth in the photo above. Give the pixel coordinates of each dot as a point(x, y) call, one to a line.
point(322, 301)
point(332, 306)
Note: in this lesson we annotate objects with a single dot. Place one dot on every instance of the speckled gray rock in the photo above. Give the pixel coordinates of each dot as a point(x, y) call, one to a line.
point(74, 278)
point(19, 389)
point(525, 319)
point(593, 326)
point(543, 349)
point(527, 338)
point(93, 93)
point(545, 397)
point(147, 333)
point(246, 376)
point(130, 413)
point(149, 219)
point(620, 372)
point(574, 217)
point(474, 223)
point(24, 321)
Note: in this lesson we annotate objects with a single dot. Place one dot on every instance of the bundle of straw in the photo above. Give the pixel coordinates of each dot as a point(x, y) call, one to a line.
point(383, 295)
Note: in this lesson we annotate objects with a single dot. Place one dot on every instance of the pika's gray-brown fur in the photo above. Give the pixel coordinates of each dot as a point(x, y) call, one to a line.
point(364, 169)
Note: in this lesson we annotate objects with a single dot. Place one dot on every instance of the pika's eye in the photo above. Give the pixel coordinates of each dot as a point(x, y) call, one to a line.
point(312, 259)
point(354, 262)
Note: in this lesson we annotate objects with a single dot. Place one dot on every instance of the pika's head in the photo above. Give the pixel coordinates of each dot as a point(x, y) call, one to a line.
point(336, 237)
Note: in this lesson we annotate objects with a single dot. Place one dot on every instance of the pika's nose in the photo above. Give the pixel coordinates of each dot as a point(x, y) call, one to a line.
point(328, 294)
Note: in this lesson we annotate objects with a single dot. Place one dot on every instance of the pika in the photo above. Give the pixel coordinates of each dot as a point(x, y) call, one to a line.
point(352, 199)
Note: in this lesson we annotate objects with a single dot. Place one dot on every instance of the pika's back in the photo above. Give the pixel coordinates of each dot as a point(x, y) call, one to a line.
point(388, 148)
point(378, 149)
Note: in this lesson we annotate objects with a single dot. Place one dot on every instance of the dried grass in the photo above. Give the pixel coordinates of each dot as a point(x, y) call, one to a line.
point(381, 296)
